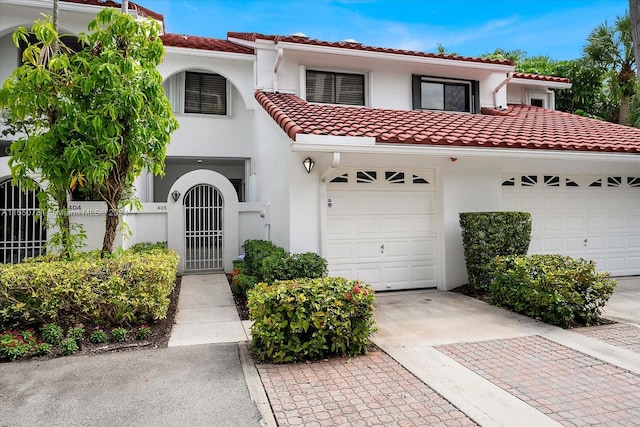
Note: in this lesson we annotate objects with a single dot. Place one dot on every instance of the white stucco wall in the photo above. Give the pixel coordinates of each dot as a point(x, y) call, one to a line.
point(388, 78)
point(272, 177)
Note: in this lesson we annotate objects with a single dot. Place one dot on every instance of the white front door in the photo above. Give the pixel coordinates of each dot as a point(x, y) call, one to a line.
point(381, 227)
point(591, 217)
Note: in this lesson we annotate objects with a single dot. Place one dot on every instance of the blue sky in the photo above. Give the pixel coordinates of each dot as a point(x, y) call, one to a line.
point(556, 28)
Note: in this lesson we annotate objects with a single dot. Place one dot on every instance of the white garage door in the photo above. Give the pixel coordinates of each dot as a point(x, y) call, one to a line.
point(591, 217)
point(381, 227)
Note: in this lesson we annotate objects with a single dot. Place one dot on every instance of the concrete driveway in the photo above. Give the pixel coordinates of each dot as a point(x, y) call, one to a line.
point(624, 304)
point(503, 369)
point(201, 385)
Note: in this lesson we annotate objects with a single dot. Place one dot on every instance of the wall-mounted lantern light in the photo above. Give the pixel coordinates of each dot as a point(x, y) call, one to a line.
point(175, 195)
point(308, 164)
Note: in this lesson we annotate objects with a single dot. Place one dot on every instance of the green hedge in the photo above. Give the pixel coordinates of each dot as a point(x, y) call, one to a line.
point(255, 251)
point(310, 318)
point(266, 262)
point(486, 235)
point(127, 288)
point(555, 289)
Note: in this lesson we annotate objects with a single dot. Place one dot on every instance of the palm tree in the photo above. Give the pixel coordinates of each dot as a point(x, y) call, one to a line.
point(611, 47)
point(634, 9)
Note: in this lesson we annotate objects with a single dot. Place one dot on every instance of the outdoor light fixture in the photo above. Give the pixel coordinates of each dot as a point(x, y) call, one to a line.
point(175, 195)
point(308, 164)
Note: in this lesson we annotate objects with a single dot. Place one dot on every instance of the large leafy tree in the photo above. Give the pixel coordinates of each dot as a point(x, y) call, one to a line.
point(611, 47)
point(101, 113)
point(586, 96)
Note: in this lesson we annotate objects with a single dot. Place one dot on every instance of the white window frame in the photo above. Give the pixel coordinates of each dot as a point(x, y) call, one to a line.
point(303, 83)
point(174, 87)
point(469, 83)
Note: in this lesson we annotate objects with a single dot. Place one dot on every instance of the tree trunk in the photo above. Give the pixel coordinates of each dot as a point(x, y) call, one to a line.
point(63, 222)
point(125, 6)
point(115, 189)
point(111, 227)
point(55, 47)
point(623, 116)
point(634, 10)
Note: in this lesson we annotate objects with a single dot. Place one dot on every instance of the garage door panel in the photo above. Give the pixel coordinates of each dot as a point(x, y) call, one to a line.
point(424, 275)
point(341, 252)
point(383, 233)
point(339, 226)
point(616, 242)
point(633, 242)
point(597, 223)
point(552, 224)
point(366, 251)
point(616, 223)
point(368, 225)
point(575, 243)
point(552, 245)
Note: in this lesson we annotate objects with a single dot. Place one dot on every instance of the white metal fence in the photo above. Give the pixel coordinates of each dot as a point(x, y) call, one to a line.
point(203, 209)
point(22, 232)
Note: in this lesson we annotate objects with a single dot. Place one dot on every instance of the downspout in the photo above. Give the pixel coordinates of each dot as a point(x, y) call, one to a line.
point(276, 66)
point(552, 99)
point(335, 162)
point(500, 86)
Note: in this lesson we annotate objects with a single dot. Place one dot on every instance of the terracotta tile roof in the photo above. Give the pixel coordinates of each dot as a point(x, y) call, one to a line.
point(142, 11)
point(359, 46)
point(540, 77)
point(204, 43)
point(520, 126)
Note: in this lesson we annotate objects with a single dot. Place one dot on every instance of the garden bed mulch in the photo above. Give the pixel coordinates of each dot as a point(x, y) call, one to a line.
point(159, 338)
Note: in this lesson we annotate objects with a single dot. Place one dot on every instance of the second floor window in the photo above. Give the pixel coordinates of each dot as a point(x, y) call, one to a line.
point(199, 93)
point(431, 93)
point(205, 93)
point(335, 88)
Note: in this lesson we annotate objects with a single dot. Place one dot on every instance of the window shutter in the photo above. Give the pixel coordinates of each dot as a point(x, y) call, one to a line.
point(350, 89)
point(205, 93)
point(416, 84)
point(320, 87)
point(192, 93)
point(213, 94)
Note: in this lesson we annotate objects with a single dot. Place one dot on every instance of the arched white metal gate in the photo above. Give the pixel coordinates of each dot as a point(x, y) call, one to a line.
point(203, 219)
point(22, 233)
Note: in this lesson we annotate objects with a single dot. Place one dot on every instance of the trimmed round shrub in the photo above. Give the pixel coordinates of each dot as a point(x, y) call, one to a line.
point(555, 289)
point(310, 318)
point(486, 235)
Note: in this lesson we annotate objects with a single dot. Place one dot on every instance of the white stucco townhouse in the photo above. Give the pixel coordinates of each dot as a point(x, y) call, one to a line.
point(363, 154)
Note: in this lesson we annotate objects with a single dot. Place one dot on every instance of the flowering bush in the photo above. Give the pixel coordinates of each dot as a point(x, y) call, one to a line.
point(310, 318)
point(15, 344)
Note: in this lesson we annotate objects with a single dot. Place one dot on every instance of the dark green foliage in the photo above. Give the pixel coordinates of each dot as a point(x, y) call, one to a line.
point(293, 266)
point(51, 333)
point(148, 246)
point(68, 346)
point(556, 289)
point(486, 235)
point(266, 262)
point(310, 318)
point(255, 251)
point(122, 289)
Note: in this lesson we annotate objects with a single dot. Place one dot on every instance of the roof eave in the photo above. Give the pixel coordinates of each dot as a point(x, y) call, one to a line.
point(391, 56)
point(460, 152)
point(188, 51)
point(542, 83)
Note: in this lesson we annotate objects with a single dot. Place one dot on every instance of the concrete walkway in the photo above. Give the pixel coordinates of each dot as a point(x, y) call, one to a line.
point(206, 312)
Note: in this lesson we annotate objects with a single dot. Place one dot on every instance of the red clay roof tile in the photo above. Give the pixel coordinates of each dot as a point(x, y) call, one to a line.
point(203, 43)
point(540, 77)
point(520, 126)
point(359, 46)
